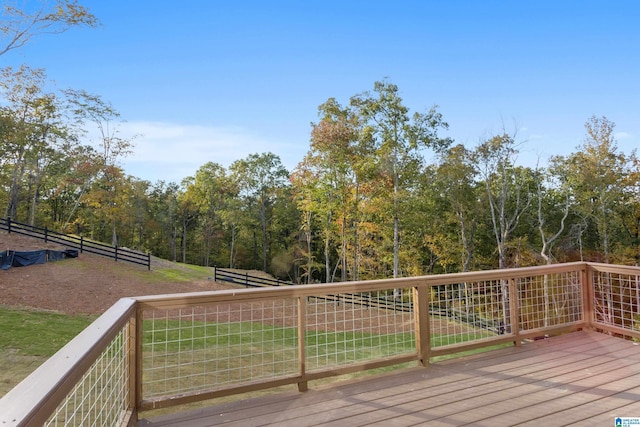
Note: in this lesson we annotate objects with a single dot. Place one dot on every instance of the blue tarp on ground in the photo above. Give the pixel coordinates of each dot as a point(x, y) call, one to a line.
point(58, 255)
point(23, 259)
point(6, 259)
point(10, 259)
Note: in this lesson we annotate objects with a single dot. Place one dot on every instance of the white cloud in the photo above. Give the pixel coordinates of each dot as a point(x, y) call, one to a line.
point(171, 151)
point(623, 135)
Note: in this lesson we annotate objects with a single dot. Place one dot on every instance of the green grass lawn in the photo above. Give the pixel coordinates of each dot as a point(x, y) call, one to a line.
point(38, 333)
point(29, 337)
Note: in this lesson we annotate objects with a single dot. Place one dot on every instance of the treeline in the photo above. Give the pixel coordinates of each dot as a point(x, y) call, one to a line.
point(380, 192)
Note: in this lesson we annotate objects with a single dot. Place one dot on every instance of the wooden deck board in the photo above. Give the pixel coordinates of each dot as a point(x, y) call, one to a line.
point(581, 378)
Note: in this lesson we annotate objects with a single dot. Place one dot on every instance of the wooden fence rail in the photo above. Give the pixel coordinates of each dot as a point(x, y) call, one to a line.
point(80, 243)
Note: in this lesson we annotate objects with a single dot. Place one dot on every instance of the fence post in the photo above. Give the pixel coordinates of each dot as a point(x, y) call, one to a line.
point(81, 244)
point(215, 274)
point(46, 234)
point(302, 354)
point(246, 279)
point(9, 225)
point(149, 261)
point(514, 310)
point(116, 252)
point(422, 325)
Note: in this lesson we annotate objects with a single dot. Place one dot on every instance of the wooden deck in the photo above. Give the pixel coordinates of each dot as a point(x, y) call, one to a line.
point(582, 378)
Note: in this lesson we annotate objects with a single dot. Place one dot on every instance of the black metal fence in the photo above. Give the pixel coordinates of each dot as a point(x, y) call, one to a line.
point(385, 302)
point(248, 280)
point(75, 242)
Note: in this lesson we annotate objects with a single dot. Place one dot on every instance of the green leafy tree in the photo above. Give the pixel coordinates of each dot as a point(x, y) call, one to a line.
point(399, 140)
point(457, 182)
point(163, 222)
point(33, 135)
point(211, 189)
point(506, 187)
point(327, 183)
point(91, 109)
point(554, 205)
point(597, 174)
point(259, 178)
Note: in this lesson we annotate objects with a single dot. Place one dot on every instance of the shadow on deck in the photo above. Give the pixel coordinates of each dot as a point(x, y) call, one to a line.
point(581, 378)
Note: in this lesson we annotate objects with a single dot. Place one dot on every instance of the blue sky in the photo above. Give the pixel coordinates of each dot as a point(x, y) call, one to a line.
point(207, 80)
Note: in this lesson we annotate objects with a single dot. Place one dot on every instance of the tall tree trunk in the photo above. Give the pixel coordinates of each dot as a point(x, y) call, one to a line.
point(184, 240)
point(396, 227)
point(114, 235)
point(356, 218)
point(263, 221)
point(232, 246)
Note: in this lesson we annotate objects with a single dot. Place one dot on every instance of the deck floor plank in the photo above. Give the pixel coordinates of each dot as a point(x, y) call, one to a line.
point(582, 378)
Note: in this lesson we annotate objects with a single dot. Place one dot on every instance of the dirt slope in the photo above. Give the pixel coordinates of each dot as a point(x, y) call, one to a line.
point(88, 284)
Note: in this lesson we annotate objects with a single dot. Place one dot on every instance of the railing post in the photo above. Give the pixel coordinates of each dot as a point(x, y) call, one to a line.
point(133, 356)
point(149, 261)
point(138, 359)
point(81, 244)
point(514, 310)
point(116, 252)
point(588, 310)
point(302, 328)
point(9, 225)
point(46, 234)
point(423, 326)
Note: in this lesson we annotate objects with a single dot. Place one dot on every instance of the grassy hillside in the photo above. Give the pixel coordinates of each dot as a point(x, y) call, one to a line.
point(42, 307)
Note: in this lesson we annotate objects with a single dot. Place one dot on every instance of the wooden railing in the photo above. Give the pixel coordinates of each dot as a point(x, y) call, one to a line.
point(158, 351)
point(77, 242)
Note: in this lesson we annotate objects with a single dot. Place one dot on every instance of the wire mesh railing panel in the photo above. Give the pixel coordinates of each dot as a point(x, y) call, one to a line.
point(101, 397)
point(464, 312)
point(350, 328)
point(616, 300)
point(550, 300)
point(212, 347)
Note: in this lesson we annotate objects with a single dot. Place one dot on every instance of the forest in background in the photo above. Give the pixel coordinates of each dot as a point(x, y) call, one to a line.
point(379, 194)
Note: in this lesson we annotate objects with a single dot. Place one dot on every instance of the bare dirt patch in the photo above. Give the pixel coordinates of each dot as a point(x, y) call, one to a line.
point(89, 284)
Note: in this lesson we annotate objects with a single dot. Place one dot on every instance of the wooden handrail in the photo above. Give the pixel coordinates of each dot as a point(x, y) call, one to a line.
point(32, 401)
point(49, 384)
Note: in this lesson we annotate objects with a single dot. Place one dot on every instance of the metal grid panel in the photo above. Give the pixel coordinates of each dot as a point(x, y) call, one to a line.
point(349, 328)
point(550, 300)
point(101, 397)
point(206, 348)
point(463, 312)
point(617, 299)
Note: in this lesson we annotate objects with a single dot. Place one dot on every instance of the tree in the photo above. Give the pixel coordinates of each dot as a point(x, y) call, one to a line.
point(163, 225)
point(550, 202)
point(19, 26)
point(211, 190)
point(87, 107)
point(326, 183)
point(32, 131)
point(303, 180)
point(597, 174)
point(259, 177)
point(506, 190)
point(457, 182)
point(399, 139)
